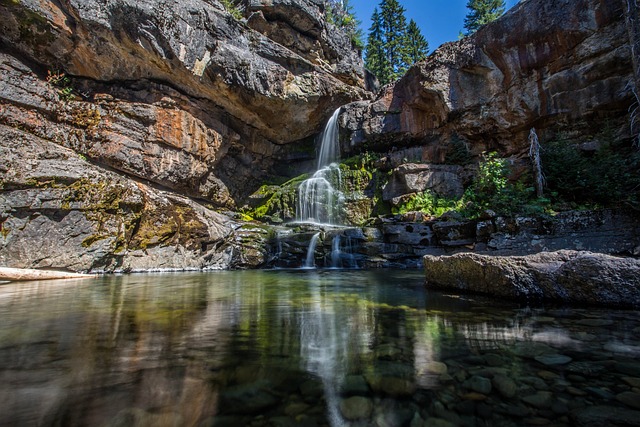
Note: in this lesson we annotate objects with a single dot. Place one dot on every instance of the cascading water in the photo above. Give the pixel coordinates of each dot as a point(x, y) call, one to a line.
point(342, 252)
point(318, 200)
point(310, 261)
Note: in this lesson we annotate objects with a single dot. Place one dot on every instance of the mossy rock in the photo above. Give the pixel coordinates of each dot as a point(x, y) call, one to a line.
point(169, 224)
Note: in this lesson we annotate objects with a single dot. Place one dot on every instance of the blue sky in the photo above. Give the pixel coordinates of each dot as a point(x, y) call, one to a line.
point(439, 20)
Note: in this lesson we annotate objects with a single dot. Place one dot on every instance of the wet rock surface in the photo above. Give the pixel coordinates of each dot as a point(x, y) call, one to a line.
point(403, 240)
point(570, 276)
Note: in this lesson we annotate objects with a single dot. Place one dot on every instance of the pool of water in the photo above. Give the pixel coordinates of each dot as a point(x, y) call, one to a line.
point(306, 348)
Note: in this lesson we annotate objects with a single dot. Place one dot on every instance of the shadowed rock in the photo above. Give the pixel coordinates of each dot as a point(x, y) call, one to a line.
point(570, 276)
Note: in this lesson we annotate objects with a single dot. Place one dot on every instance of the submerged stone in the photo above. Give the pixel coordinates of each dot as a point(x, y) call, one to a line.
point(505, 386)
point(629, 398)
point(553, 359)
point(478, 384)
point(356, 407)
point(541, 399)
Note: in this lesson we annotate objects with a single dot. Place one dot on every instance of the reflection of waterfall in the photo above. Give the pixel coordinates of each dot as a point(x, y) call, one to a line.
point(310, 261)
point(318, 199)
point(324, 346)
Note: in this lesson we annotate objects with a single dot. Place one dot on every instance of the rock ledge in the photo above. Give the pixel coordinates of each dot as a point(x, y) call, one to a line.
point(569, 276)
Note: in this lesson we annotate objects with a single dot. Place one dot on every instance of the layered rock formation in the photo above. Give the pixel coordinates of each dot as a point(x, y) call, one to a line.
point(179, 93)
point(403, 240)
point(565, 68)
point(569, 276)
point(112, 113)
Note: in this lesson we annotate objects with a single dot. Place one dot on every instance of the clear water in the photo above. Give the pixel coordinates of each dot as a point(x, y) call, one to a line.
point(305, 348)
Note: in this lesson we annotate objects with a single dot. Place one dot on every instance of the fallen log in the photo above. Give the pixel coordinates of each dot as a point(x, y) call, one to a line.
point(25, 274)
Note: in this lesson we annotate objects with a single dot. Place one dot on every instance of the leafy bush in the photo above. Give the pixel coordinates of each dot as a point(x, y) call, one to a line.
point(62, 83)
point(428, 203)
point(231, 7)
point(607, 177)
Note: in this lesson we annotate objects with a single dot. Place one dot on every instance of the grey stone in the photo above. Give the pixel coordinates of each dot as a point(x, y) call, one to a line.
point(553, 359)
point(579, 277)
point(505, 386)
point(629, 398)
point(356, 407)
point(540, 400)
point(478, 384)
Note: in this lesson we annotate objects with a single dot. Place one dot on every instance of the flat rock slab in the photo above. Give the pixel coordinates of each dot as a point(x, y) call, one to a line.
point(25, 274)
point(568, 276)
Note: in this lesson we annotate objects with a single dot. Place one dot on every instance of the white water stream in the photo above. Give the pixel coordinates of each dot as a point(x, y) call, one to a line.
point(318, 200)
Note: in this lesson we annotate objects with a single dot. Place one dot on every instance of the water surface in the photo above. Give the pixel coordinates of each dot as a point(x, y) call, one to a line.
point(305, 348)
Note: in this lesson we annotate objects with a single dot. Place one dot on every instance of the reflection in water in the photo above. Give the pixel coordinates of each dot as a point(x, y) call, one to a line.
point(310, 348)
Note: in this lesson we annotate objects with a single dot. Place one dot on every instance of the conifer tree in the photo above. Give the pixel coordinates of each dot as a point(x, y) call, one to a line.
point(417, 45)
point(391, 48)
point(482, 12)
point(376, 60)
point(394, 26)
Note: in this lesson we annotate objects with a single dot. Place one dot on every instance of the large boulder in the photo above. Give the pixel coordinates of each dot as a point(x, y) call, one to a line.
point(443, 180)
point(568, 276)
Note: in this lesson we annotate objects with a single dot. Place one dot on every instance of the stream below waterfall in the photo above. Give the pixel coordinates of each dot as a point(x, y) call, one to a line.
point(306, 348)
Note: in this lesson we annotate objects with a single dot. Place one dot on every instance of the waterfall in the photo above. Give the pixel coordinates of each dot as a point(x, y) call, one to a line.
point(329, 147)
point(310, 262)
point(318, 200)
point(335, 251)
point(342, 254)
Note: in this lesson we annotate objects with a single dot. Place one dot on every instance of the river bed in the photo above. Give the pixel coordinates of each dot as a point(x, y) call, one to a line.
point(306, 348)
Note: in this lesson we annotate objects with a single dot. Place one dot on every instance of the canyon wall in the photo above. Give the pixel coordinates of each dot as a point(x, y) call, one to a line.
point(125, 125)
point(564, 67)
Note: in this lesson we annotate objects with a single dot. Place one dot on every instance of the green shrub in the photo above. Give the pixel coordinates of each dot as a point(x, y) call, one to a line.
point(428, 203)
point(62, 83)
point(233, 9)
point(610, 176)
point(458, 153)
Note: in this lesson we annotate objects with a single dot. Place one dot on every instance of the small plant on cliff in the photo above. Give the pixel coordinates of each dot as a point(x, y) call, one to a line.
point(492, 190)
point(340, 13)
point(233, 8)
point(428, 203)
point(606, 177)
point(62, 83)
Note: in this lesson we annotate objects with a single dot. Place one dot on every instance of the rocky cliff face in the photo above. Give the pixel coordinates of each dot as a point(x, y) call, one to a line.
point(181, 93)
point(563, 67)
point(111, 113)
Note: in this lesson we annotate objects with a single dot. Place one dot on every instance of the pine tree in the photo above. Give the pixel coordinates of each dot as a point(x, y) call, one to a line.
point(376, 58)
point(392, 45)
point(394, 27)
point(417, 45)
point(482, 12)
